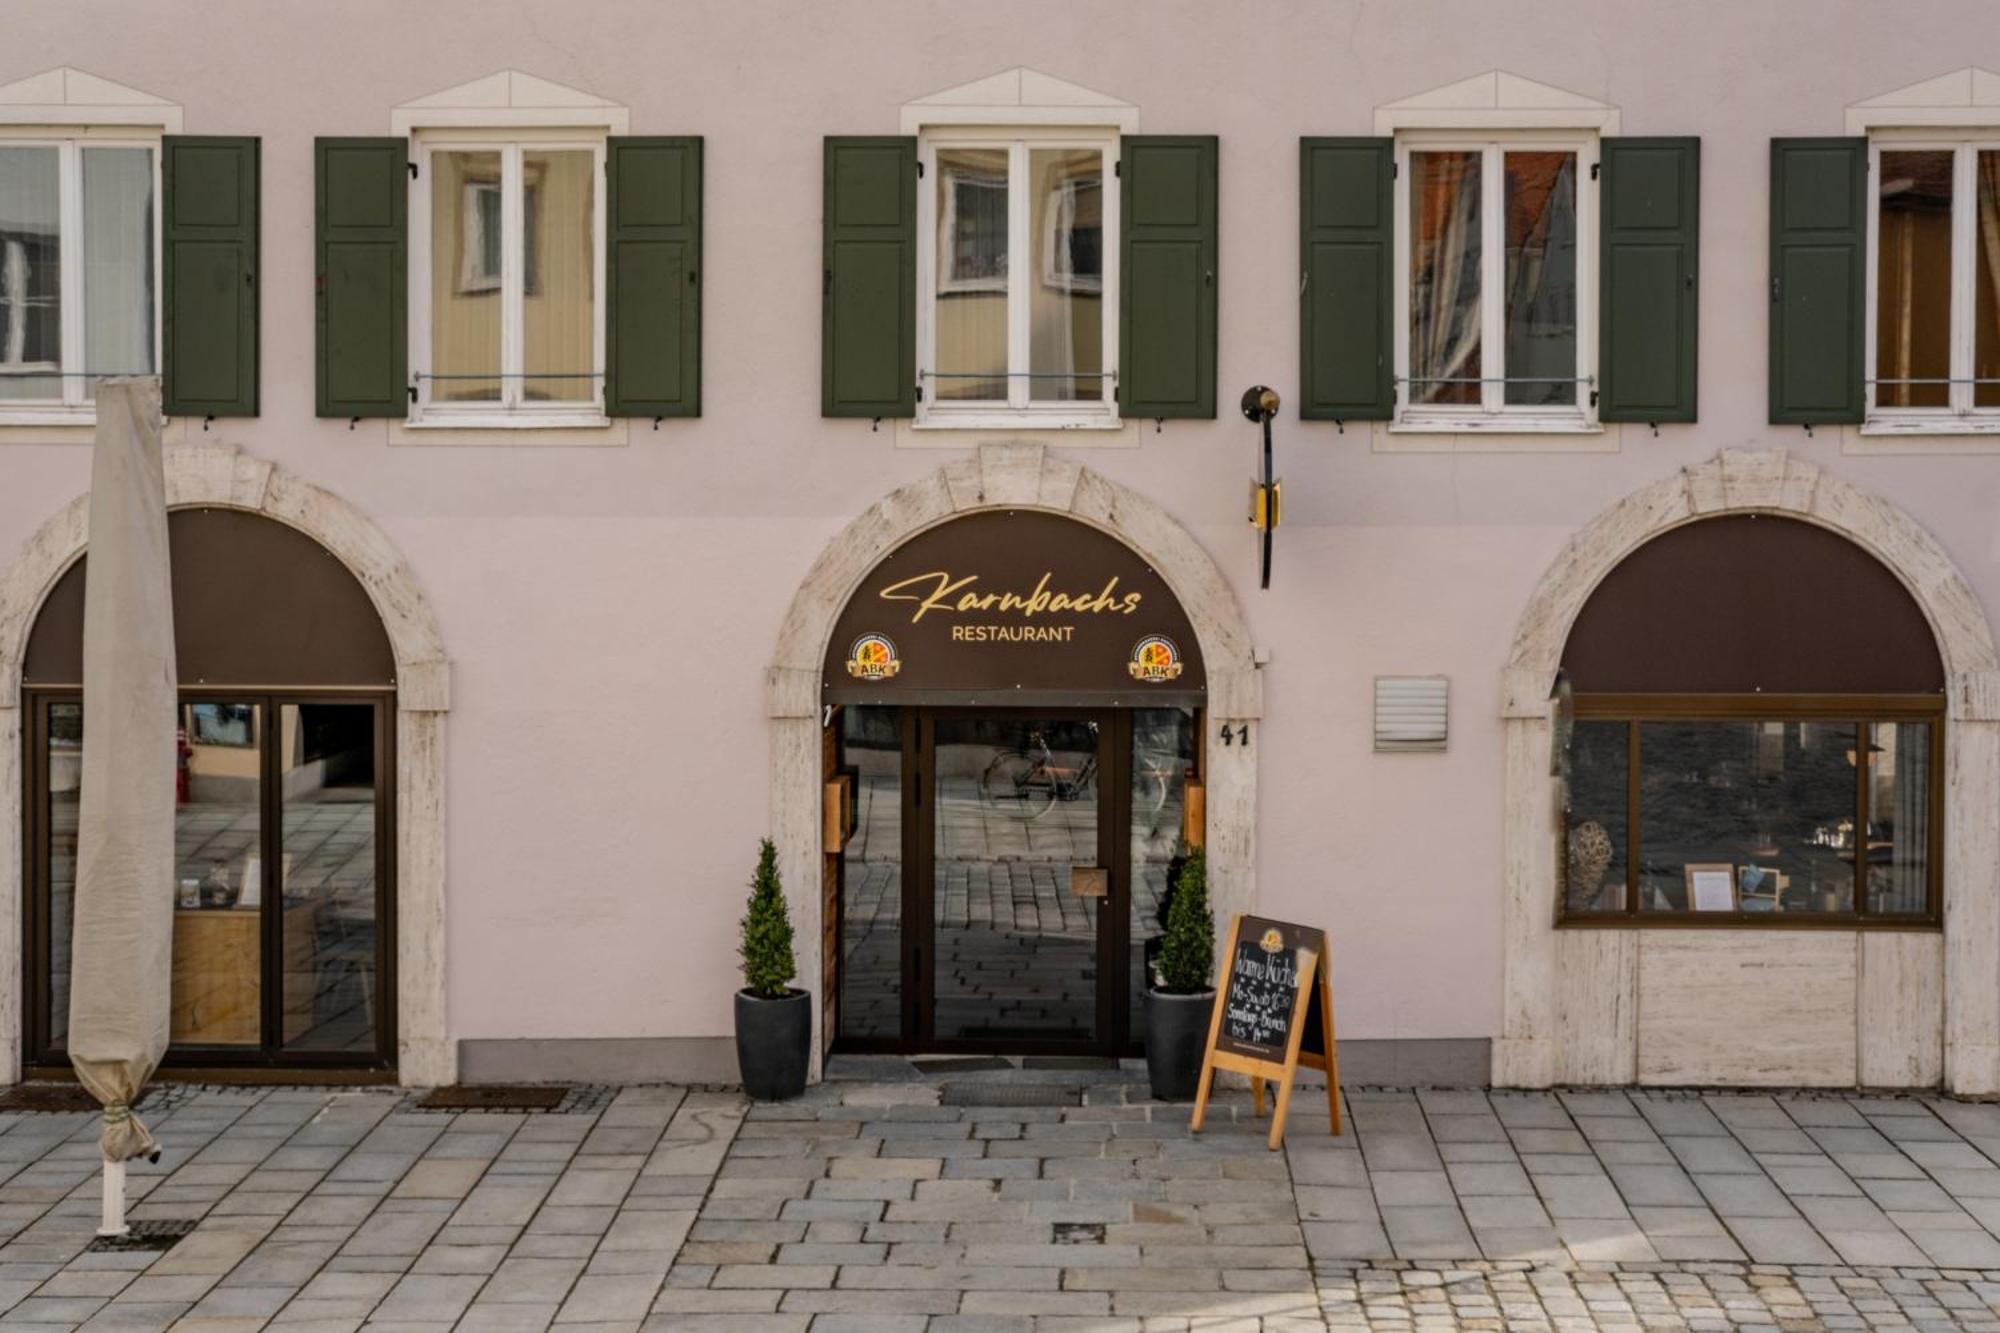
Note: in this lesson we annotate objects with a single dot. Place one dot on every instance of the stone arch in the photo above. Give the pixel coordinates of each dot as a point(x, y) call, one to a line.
point(222, 476)
point(1570, 997)
point(1017, 476)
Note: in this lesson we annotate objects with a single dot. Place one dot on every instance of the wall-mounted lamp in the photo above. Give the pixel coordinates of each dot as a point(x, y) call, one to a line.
point(1260, 404)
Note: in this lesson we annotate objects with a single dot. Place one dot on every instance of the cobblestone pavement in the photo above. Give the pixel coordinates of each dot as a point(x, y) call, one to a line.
point(894, 1199)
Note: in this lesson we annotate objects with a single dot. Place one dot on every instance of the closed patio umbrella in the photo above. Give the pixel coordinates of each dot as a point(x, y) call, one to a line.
point(121, 949)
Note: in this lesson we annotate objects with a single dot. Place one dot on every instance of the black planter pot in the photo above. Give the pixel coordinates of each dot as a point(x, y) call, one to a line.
point(773, 1044)
point(1176, 1028)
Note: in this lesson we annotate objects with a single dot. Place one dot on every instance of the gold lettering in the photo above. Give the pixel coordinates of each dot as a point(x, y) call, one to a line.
point(939, 591)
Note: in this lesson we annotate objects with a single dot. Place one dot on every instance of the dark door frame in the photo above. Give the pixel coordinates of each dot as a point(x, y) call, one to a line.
point(38, 1052)
point(1114, 913)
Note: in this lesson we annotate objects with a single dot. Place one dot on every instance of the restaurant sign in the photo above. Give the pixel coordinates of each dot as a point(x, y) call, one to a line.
point(1013, 606)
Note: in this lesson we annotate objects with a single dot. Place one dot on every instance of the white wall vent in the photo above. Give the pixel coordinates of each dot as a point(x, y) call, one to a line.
point(1411, 713)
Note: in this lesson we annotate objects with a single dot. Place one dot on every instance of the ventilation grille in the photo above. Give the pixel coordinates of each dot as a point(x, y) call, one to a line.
point(1411, 713)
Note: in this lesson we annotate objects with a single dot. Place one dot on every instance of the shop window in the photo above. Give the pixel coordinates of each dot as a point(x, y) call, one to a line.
point(1017, 280)
point(283, 884)
point(1752, 815)
point(1498, 253)
point(1734, 752)
point(79, 246)
point(1934, 261)
point(510, 326)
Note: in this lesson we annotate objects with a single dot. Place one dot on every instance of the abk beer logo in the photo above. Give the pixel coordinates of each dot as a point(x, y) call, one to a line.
point(1155, 659)
point(873, 657)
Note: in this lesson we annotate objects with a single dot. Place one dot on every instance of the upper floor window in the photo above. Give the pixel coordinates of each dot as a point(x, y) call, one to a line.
point(79, 250)
point(508, 327)
point(1497, 247)
point(1934, 282)
point(1017, 278)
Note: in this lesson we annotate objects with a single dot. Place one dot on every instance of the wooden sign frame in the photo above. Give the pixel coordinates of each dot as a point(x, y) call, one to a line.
point(1313, 989)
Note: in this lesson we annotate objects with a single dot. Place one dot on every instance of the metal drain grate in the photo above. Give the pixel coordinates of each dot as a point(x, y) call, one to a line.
point(48, 1097)
point(1009, 1094)
point(495, 1097)
point(1068, 1062)
point(155, 1234)
point(960, 1064)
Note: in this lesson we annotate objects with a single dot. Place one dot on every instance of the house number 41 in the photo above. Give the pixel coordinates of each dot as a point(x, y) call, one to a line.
point(1240, 735)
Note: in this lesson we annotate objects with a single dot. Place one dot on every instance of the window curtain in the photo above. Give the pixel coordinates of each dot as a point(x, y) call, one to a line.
point(117, 262)
point(1445, 288)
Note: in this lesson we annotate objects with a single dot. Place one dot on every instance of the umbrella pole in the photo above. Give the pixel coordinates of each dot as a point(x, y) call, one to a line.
point(114, 1200)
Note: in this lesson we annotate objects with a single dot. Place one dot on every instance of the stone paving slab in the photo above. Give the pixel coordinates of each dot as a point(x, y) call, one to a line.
point(867, 1204)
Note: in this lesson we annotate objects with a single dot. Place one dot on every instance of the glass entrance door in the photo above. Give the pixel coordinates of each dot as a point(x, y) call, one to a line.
point(1020, 894)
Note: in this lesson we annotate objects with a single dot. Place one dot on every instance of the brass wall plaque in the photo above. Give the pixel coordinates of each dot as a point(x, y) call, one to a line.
point(1090, 881)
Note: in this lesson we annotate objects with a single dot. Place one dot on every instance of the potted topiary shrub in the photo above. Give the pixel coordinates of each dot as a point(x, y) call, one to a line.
point(1180, 1001)
point(773, 1021)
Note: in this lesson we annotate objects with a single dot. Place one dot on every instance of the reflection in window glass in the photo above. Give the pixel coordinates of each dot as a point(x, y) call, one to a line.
point(1772, 801)
point(1913, 279)
point(871, 885)
point(466, 265)
point(327, 756)
point(1066, 303)
point(1444, 277)
point(219, 880)
point(559, 307)
point(1541, 279)
point(1899, 818)
point(1163, 757)
point(64, 779)
point(117, 262)
point(1598, 827)
point(971, 307)
point(30, 272)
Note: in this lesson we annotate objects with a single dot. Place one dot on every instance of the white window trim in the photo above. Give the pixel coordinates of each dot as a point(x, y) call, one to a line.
point(70, 140)
point(1018, 413)
point(1494, 417)
point(506, 415)
point(1960, 417)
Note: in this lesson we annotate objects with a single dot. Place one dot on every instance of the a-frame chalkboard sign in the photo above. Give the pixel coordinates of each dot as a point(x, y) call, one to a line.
point(1273, 1014)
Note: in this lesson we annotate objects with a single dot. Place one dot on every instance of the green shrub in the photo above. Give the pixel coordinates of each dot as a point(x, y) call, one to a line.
point(1187, 951)
point(768, 966)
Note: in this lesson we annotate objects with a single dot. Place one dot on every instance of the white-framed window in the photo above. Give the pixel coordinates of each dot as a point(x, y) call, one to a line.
point(1496, 295)
point(507, 279)
point(1933, 321)
point(79, 265)
point(1017, 283)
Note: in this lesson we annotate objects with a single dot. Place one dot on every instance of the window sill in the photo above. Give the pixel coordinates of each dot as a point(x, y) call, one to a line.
point(73, 428)
point(1540, 437)
point(552, 431)
point(1761, 921)
point(1944, 435)
point(1063, 421)
point(1098, 432)
point(510, 421)
point(1480, 423)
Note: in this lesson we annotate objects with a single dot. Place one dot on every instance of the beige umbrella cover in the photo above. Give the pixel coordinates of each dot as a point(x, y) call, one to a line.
point(121, 950)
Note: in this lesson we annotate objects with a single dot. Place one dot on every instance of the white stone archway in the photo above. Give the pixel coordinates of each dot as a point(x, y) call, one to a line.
point(1011, 476)
point(222, 476)
point(1925, 1011)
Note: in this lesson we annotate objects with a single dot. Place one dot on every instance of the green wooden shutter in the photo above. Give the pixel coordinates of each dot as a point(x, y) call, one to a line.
point(1819, 200)
point(653, 286)
point(362, 261)
point(1166, 326)
point(1346, 255)
point(210, 279)
point(868, 313)
point(1649, 238)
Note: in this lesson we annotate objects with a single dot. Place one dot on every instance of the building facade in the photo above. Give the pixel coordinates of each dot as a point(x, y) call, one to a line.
point(599, 442)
